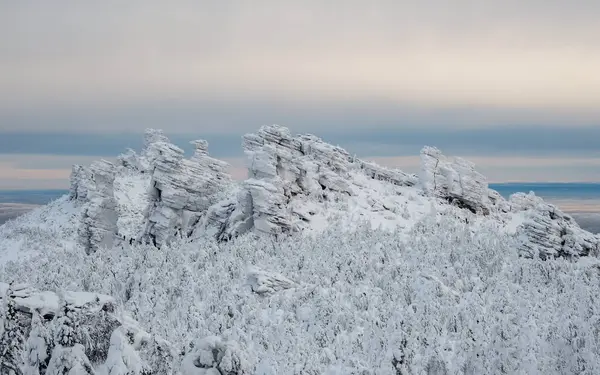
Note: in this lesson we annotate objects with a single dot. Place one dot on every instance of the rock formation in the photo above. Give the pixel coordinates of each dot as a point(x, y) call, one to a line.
point(288, 177)
point(80, 183)
point(182, 190)
point(264, 282)
point(282, 168)
point(99, 225)
point(497, 201)
point(548, 232)
point(456, 181)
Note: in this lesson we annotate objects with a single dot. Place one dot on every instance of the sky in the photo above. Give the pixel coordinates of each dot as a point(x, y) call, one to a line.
point(512, 85)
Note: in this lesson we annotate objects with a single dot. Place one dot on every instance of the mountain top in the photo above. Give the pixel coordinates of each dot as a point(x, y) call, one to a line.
point(318, 262)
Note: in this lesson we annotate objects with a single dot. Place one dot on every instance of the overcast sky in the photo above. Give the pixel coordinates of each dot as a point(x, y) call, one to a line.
point(513, 84)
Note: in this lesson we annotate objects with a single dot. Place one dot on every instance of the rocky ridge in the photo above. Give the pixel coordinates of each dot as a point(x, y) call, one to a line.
point(292, 180)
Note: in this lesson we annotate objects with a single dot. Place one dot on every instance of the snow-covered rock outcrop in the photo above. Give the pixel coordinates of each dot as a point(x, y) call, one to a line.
point(99, 224)
point(283, 168)
point(264, 282)
point(548, 232)
point(182, 190)
point(80, 183)
point(456, 180)
point(295, 182)
point(545, 230)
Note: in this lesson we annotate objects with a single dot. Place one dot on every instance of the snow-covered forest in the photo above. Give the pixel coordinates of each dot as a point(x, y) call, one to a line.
point(319, 263)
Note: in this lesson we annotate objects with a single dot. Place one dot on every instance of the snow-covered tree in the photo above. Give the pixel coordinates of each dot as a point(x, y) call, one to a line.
point(12, 339)
point(37, 351)
point(68, 356)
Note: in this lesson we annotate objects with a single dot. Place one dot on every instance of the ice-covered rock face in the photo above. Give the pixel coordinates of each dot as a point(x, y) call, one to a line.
point(548, 232)
point(453, 180)
point(99, 225)
point(182, 190)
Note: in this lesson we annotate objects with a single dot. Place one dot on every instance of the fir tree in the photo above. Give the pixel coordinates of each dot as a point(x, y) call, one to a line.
point(12, 340)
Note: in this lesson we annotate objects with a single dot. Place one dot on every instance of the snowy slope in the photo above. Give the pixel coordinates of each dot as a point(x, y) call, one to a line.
point(318, 263)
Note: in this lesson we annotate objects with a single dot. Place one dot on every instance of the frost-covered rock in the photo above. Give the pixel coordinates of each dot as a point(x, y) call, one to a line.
point(182, 190)
point(393, 176)
point(548, 232)
point(283, 168)
point(453, 180)
point(264, 282)
point(153, 140)
point(80, 183)
point(99, 224)
point(28, 299)
point(130, 160)
point(497, 201)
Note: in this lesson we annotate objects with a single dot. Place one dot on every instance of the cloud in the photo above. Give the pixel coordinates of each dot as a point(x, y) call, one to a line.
point(381, 78)
point(508, 140)
point(528, 61)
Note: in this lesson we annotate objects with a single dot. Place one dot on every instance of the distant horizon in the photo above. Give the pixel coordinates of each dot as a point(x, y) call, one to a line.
point(509, 85)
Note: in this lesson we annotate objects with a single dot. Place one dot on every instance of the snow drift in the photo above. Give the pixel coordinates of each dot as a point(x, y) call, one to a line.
point(318, 263)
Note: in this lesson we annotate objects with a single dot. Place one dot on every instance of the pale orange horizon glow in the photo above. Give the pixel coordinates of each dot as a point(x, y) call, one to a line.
point(500, 169)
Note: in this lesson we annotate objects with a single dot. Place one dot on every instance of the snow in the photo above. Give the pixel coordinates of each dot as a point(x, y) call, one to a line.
point(47, 302)
point(132, 196)
point(515, 222)
point(39, 231)
point(318, 263)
